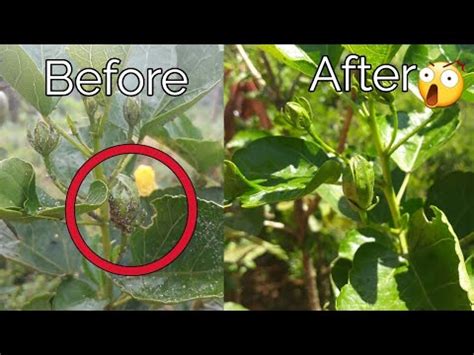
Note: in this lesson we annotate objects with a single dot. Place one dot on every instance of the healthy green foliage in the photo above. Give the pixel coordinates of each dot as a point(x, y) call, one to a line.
point(114, 221)
point(275, 169)
point(391, 241)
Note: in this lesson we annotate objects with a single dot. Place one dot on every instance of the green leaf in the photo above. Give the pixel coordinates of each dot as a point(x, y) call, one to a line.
point(413, 153)
point(470, 272)
point(67, 159)
point(375, 54)
point(214, 194)
point(352, 241)
point(18, 193)
point(334, 197)
point(316, 51)
point(279, 168)
point(96, 197)
point(19, 199)
point(74, 294)
point(201, 63)
point(454, 195)
point(41, 302)
point(433, 277)
point(21, 72)
point(232, 306)
point(445, 281)
point(96, 56)
point(235, 183)
point(468, 93)
point(197, 273)
point(185, 139)
point(422, 55)
point(292, 56)
point(377, 281)
point(244, 137)
point(42, 245)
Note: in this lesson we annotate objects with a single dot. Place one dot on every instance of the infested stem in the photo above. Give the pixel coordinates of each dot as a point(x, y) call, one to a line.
point(122, 164)
point(50, 170)
point(104, 211)
point(122, 247)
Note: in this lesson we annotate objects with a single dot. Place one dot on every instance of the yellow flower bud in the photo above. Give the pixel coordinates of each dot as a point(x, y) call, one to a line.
point(145, 180)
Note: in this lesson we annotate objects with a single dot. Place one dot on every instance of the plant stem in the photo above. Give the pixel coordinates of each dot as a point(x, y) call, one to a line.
point(123, 245)
point(310, 281)
point(345, 128)
point(384, 162)
point(411, 134)
point(321, 143)
point(403, 188)
point(68, 137)
point(395, 126)
point(104, 210)
point(50, 170)
point(363, 217)
point(467, 240)
point(252, 69)
point(301, 219)
point(122, 164)
point(123, 298)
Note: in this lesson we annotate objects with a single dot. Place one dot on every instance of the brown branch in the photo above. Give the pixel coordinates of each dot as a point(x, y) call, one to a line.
point(345, 128)
point(301, 218)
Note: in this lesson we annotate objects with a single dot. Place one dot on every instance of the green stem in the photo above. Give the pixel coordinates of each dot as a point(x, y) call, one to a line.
point(403, 188)
point(384, 162)
point(123, 245)
point(99, 174)
point(124, 298)
point(327, 148)
point(467, 240)
point(364, 218)
point(68, 137)
point(50, 170)
point(412, 133)
point(395, 126)
point(122, 164)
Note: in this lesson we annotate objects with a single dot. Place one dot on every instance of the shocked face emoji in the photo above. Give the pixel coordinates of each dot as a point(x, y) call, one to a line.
point(440, 84)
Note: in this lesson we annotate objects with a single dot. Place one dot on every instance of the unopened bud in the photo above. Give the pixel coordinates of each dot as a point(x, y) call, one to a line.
point(44, 138)
point(131, 111)
point(297, 115)
point(358, 181)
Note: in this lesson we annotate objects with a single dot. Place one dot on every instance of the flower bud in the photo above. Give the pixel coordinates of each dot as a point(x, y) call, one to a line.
point(358, 182)
point(124, 203)
point(145, 180)
point(90, 103)
point(131, 111)
point(297, 116)
point(44, 138)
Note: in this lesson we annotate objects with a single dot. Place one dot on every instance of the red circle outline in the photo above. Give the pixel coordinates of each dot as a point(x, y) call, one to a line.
point(70, 213)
